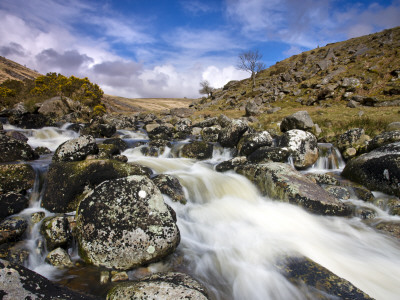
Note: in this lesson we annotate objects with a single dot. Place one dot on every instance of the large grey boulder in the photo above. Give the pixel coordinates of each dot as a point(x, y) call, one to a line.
point(299, 120)
point(280, 181)
point(160, 286)
point(210, 134)
point(12, 149)
point(251, 142)
point(124, 223)
point(59, 106)
point(18, 282)
point(76, 149)
point(231, 134)
point(377, 170)
point(302, 145)
point(68, 181)
point(198, 150)
point(267, 154)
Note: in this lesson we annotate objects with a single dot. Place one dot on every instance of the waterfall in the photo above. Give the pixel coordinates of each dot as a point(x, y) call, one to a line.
point(329, 158)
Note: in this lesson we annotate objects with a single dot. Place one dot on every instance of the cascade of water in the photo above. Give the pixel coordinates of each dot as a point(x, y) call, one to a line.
point(329, 158)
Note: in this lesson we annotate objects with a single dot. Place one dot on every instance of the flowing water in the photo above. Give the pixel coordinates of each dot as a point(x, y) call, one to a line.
point(232, 237)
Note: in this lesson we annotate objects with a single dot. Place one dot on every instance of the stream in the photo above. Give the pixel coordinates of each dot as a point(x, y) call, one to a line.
point(231, 236)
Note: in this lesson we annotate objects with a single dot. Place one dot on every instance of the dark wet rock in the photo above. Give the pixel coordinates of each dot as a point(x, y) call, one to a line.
point(59, 258)
point(98, 129)
point(160, 286)
point(252, 109)
point(76, 149)
point(231, 134)
point(119, 143)
point(124, 223)
point(18, 253)
point(251, 142)
point(18, 282)
point(29, 121)
point(210, 134)
point(16, 177)
point(170, 186)
point(209, 122)
point(384, 139)
point(321, 283)
point(377, 170)
point(12, 150)
point(42, 150)
point(17, 135)
point(67, 182)
point(266, 154)
point(12, 203)
point(302, 145)
point(75, 127)
point(12, 228)
point(161, 132)
point(352, 138)
point(299, 120)
point(231, 164)
point(197, 149)
point(282, 182)
point(56, 231)
point(155, 147)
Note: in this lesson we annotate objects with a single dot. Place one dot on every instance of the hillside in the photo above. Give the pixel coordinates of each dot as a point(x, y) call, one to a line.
point(14, 71)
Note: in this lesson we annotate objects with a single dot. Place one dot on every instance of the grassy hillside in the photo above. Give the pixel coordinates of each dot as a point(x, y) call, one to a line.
point(14, 71)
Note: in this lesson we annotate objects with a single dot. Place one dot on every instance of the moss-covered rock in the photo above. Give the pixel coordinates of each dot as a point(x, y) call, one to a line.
point(16, 177)
point(197, 149)
point(160, 286)
point(12, 149)
point(59, 258)
point(377, 170)
point(68, 181)
point(282, 182)
point(56, 232)
point(124, 223)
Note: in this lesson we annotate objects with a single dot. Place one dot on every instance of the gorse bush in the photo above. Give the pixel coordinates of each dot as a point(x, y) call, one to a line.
point(48, 86)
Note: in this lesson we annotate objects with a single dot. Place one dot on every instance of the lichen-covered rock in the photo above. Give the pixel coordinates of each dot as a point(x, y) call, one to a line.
point(59, 106)
point(170, 186)
point(252, 109)
point(11, 229)
point(119, 143)
point(160, 286)
point(12, 203)
point(183, 128)
point(124, 223)
point(383, 139)
point(302, 145)
point(161, 132)
point(18, 282)
point(323, 179)
point(56, 231)
point(377, 170)
point(321, 283)
point(197, 149)
point(231, 164)
point(209, 122)
point(266, 154)
point(16, 177)
point(210, 134)
point(59, 258)
point(231, 134)
point(98, 129)
point(352, 138)
point(251, 142)
point(18, 253)
point(68, 181)
point(299, 120)
point(282, 182)
point(76, 149)
point(12, 149)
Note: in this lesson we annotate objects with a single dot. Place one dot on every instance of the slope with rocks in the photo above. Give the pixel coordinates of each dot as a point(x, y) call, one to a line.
point(14, 71)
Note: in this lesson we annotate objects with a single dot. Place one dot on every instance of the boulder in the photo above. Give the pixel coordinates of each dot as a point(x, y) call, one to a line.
point(377, 170)
point(251, 109)
point(67, 182)
point(76, 149)
point(12, 149)
point(266, 154)
point(17, 135)
point(319, 281)
point(160, 286)
point(55, 231)
point(18, 282)
point(12, 203)
point(282, 182)
point(18, 253)
point(182, 112)
point(383, 139)
point(183, 128)
point(162, 132)
point(350, 84)
point(352, 138)
point(302, 145)
point(16, 178)
point(210, 134)
point(209, 122)
point(231, 164)
point(251, 142)
point(119, 143)
point(98, 129)
point(231, 134)
point(170, 186)
point(29, 121)
point(59, 258)
point(59, 106)
point(12, 228)
point(299, 120)
point(124, 223)
point(197, 150)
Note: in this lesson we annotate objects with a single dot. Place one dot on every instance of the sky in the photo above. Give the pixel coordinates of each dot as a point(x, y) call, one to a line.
point(165, 48)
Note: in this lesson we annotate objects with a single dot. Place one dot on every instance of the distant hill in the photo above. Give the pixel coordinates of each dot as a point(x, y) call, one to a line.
point(12, 70)
point(364, 69)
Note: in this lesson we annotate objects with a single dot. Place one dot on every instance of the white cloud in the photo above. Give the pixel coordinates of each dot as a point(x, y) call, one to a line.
point(218, 77)
point(196, 7)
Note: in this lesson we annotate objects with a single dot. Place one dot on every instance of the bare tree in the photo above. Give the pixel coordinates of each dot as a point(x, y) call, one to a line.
point(250, 62)
point(206, 88)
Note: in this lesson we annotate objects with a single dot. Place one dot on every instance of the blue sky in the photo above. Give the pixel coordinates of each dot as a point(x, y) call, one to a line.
point(164, 48)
